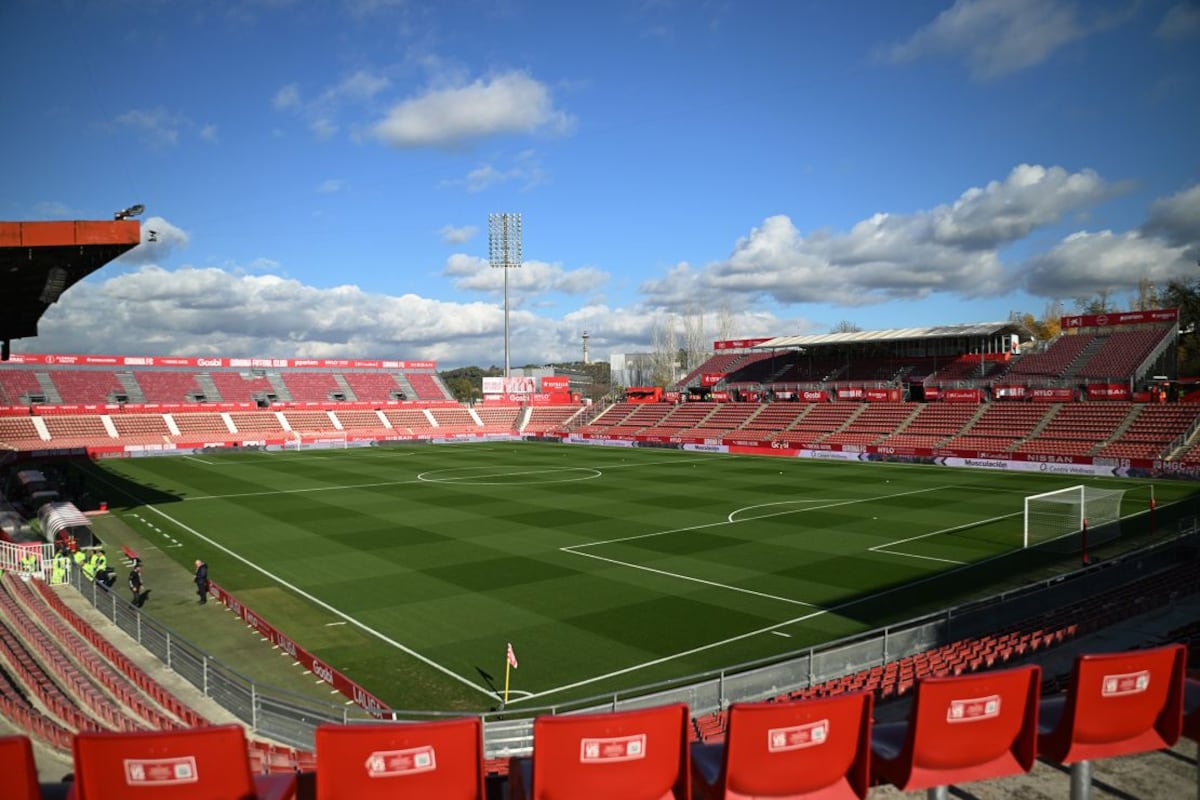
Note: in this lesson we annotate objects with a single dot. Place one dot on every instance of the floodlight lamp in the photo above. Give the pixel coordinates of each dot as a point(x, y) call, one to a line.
point(133, 211)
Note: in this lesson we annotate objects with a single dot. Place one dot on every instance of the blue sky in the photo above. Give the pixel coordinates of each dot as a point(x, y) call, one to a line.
point(320, 174)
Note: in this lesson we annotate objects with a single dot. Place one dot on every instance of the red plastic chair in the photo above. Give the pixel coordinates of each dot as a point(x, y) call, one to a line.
point(805, 748)
point(441, 760)
point(962, 728)
point(629, 755)
point(1116, 704)
point(18, 768)
point(196, 764)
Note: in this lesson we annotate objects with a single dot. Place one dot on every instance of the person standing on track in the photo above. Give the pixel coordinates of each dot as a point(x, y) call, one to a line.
point(201, 581)
point(136, 585)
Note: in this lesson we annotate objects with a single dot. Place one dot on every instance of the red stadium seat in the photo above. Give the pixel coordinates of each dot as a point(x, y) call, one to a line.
point(805, 748)
point(1116, 704)
point(440, 760)
point(630, 755)
point(18, 768)
point(961, 728)
point(193, 764)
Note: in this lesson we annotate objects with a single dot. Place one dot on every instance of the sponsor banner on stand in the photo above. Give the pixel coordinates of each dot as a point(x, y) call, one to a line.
point(79, 360)
point(1108, 391)
point(1120, 318)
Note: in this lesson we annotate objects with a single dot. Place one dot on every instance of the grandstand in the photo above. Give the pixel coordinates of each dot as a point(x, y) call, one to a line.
point(950, 396)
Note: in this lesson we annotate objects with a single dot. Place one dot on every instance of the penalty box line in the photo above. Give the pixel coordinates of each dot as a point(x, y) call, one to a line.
point(886, 548)
point(840, 607)
point(577, 549)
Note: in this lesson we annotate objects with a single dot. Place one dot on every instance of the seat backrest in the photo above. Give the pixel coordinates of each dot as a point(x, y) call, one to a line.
point(191, 764)
point(798, 748)
point(440, 760)
point(18, 768)
point(971, 727)
point(1120, 703)
point(640, 754)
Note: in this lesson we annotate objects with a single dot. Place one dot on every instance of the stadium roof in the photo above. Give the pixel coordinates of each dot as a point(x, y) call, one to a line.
point(41, 260)
point(895, 335)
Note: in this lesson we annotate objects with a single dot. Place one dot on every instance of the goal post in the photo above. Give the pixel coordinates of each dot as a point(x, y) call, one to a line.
point(1066, 512)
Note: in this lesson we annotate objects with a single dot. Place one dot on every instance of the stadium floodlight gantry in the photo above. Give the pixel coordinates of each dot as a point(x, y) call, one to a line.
point(41, 260)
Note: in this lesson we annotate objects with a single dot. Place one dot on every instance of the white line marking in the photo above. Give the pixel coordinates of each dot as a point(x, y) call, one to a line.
point(406, 482)
point(704, 581)
point(201, 460)
point(781, 633)
point(733, 520)
point(914, 555)
point(315, 600)
point(318, 601)
point(884, 548)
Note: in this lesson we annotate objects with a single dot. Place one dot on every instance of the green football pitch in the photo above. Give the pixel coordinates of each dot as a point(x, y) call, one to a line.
point(410, 568)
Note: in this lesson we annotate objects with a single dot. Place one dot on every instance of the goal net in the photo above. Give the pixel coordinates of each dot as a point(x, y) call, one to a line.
point(1065, 512)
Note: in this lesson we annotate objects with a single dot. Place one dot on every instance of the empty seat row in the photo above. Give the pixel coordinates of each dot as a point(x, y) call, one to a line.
point(958, 730)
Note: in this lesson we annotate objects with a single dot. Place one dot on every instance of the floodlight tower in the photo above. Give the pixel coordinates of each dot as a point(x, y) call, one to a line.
point(504, 252)
point(585, 348)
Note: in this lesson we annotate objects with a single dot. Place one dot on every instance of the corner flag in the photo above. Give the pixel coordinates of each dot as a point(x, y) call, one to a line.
point(510, 660)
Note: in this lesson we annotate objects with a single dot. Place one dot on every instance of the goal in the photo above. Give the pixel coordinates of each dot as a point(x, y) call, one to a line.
point(1065, 512)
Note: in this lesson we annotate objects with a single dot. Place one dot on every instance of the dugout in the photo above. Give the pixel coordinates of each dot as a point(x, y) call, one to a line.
point(63, 522)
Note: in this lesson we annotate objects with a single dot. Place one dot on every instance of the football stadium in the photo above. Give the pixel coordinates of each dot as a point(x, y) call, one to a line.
point(813, 566)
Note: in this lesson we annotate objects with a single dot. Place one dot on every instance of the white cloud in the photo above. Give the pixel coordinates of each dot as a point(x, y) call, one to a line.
point(457, 235)
point(331, 186)
point(1086, 263)
point(156, 126)
point(209, 311)
point(531, 279)
point(951, 248)
point(287, 97)
point(525, 170)
point(322, 111)
point(997, 37)
point(159, 240)
point(209, 133)
point(511, 103)
point(1182, 21)
point(1177, 219)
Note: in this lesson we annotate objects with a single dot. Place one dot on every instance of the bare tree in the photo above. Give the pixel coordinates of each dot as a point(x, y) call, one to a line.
point(845, 326)
point(665, 350)
point(1100, 303)
point(1147, 297)
point(725, 323)
point(696, 348)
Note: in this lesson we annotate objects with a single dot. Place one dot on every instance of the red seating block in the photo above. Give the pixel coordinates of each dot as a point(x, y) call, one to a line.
point(1116, 704)
point(17, 767)
point(632, 755)
point(439, 760)
point(195, 764)
point(805, 748)
point(960, 729)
